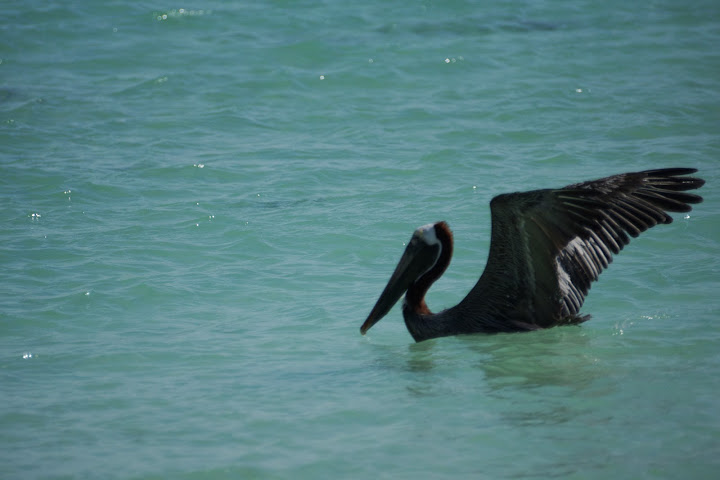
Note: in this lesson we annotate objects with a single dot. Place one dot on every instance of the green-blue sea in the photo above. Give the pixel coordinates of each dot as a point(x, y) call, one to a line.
point(202, 201)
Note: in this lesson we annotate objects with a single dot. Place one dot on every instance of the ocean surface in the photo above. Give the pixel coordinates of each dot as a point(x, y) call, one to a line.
point(201, 203)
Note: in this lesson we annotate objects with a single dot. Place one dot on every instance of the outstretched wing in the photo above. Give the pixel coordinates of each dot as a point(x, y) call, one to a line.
point(548, 246)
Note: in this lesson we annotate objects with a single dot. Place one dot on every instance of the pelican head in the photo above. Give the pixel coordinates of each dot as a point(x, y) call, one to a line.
point(414, 273)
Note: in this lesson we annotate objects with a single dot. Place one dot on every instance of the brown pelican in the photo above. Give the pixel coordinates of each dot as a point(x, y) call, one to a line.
point(546, 248)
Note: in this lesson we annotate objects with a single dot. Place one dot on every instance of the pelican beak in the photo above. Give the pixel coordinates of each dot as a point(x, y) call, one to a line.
point(417, 259)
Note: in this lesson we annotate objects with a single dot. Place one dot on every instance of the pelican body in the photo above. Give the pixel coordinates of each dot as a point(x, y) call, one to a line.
point(546, 248)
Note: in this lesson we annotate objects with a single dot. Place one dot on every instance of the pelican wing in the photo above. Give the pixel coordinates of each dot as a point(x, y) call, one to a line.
point(548, 246)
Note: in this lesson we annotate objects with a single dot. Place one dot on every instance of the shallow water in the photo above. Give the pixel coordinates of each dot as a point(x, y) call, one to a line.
point(202, 205)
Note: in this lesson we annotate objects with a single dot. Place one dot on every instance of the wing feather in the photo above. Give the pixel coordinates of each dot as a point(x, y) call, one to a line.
point(548, 246)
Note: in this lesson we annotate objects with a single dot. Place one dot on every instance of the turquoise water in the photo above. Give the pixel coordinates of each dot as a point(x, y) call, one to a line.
point(202, 202)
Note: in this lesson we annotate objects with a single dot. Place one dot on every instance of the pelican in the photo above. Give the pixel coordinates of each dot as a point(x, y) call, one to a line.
point(546, 248)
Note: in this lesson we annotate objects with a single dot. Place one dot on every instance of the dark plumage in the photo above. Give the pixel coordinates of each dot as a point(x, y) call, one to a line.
point(547, 247)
